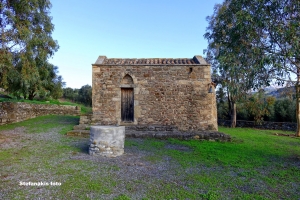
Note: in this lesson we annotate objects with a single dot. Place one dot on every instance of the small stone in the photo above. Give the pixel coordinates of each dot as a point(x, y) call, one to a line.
point(196, 137)
point(151, 128)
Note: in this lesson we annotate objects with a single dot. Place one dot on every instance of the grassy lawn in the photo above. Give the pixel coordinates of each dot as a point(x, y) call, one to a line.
point(256, 165)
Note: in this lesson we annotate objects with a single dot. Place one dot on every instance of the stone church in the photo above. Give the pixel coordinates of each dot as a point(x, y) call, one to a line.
point(162, 94)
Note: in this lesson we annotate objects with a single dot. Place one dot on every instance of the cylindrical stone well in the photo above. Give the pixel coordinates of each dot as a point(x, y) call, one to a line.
point(107, 140)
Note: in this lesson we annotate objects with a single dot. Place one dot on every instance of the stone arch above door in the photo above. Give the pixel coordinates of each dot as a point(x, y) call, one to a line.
point(127, 80)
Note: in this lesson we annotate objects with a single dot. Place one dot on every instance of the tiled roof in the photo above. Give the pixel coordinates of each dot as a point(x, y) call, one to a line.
point(196, 60)
point(143, 61)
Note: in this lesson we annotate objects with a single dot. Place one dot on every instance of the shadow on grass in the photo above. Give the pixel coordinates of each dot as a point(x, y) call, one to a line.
point(80, 144)
point(84, 148)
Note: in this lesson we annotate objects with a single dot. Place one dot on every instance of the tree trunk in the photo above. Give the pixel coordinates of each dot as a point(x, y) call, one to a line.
point(24, 95)
point(233, 115)
point(31, 95)
point(229, 106)
point(298, 101)
point(232, 108)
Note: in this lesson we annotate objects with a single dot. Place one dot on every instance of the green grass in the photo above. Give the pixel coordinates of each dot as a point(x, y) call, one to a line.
point(56, 102)
point(122, 197)
point(249, 148)
point(266, 166)
point(45, 123)
point(256, 165)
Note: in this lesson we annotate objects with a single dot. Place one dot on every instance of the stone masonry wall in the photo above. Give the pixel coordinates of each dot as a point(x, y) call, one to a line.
point(287, 126)
point(15, 112)
point(164, 95)
point(85, 119)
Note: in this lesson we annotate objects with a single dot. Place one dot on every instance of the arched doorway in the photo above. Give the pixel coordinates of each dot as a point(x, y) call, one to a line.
point(127, 100)
point(127, 106)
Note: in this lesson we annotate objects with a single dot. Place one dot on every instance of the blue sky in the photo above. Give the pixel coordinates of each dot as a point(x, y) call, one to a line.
point(125, 29)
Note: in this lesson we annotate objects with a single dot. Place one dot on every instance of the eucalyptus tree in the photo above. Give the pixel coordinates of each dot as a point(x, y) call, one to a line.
point(258, 40)
point(26, 44)
point(228, 52)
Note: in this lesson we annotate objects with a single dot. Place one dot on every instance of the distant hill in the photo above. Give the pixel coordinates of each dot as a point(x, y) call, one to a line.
point(280, 92)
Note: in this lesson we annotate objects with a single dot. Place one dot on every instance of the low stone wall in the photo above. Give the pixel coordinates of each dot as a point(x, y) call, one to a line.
point(153, 131)
point(164, 132)
point(11, 112)
point(199, 135)
point(151, 128)
point(287, 126)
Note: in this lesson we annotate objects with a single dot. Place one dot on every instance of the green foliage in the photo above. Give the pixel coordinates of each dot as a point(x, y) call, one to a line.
point(86, 109)
point(82, 95)
point(222, 104)
point(85, 95)
point(52, 83)
point(70, 93)
point(259, 106)
point(26, 45)
point(242, 112)
point(223, 110)
point(252, 43)
point(285, 110)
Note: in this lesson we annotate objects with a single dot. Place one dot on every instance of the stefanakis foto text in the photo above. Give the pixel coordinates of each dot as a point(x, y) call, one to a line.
point(39, 183)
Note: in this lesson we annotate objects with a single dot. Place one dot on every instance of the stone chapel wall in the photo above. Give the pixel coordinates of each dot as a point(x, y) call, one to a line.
point(168, 96)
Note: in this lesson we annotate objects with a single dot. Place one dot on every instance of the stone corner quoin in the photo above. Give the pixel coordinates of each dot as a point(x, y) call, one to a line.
point(149, 92)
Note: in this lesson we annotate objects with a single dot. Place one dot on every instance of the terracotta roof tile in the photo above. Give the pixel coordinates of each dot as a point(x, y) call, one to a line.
point(196, 60)
point(149, 61)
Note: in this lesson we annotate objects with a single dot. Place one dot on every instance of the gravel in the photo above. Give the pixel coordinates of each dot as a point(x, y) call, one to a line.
point(132, 167)
point(51, 156)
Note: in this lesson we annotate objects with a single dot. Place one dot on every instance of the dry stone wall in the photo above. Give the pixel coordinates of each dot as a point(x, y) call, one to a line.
point(287, 126)
point(165, 95)
point(11, 112)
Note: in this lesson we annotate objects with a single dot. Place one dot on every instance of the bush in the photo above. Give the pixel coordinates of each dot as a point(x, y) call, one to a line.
point(285, 110)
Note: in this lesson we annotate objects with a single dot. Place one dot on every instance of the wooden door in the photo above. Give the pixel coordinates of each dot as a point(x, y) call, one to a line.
point(127, 105)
